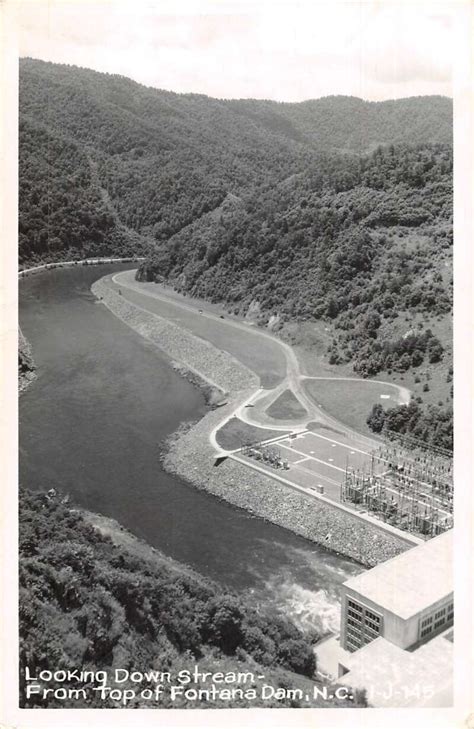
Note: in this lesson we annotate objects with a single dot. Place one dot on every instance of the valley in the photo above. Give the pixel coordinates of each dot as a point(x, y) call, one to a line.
point(250, 401)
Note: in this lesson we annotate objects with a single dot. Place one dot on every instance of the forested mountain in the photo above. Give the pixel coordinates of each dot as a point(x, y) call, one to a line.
point(363, 243)
point(335, 210)
point(349, 124)
point(88, 603)
point(133, 160)
point(357, 241)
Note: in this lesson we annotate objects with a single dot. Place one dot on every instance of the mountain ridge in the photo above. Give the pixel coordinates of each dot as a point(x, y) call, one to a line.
point(197, 94)
point(345, 212)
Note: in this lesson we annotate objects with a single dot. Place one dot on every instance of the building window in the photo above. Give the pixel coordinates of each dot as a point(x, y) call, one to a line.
point(352, 646)
point(374, 626)
point(372, 616)
point(355, 623)
point(354, 632)
point(372, 633)
point(435, 621)
point(362, 625)
point(353, 614)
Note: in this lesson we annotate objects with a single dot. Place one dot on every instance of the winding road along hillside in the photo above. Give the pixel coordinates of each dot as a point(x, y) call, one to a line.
point(273, 360)
point(265, 388)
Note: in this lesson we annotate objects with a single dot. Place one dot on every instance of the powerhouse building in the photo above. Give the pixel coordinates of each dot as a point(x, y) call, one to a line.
point(406, 600)
point(396, 635)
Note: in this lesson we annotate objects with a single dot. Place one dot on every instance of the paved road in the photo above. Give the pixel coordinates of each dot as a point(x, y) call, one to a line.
point(260, 399)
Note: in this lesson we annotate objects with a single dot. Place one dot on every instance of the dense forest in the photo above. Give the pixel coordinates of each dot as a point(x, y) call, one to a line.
point(63, 211)
point(357, 242)
point(432, 425)
point(89, 603)
point(333, 210)
point(147, 163)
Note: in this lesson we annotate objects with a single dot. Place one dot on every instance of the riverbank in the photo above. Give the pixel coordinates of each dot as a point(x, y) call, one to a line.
point(23, 272)
point(213, 396)
point(208, 364)
point(26, 364)
point(124, 603)
point(191, 456)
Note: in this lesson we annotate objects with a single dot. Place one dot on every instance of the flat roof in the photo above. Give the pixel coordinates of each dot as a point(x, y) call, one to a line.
point(411, 581)
point(396, 678)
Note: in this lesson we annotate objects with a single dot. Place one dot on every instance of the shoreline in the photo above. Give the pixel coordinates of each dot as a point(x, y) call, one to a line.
point(26, 364)
point(213, 396)
point(27, 369)
point(190, 455)
point(96, 261)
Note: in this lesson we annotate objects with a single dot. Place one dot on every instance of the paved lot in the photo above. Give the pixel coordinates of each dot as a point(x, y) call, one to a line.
point(317, 459)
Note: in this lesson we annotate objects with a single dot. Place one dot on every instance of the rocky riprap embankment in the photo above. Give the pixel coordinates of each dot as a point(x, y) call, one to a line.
point(191, 456)
point(213, 365)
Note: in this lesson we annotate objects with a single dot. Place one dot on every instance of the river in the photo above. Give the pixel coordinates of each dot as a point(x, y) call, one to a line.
point(92, 425)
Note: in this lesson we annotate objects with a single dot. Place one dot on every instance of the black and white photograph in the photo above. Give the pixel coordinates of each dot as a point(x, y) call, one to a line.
point(236, 483)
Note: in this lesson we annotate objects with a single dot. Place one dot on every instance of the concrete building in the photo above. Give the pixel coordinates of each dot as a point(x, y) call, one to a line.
point(396, 639)
point(406, 600)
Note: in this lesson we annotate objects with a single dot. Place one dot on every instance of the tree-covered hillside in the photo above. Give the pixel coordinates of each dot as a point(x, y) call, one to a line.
point(358, 242)
point(349, 124)
point(62, 210)
point(135, 161)
point(333, 210)
point(88, 603)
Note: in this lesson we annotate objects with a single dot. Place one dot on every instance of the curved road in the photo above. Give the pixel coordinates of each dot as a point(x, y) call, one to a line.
point(260, 399)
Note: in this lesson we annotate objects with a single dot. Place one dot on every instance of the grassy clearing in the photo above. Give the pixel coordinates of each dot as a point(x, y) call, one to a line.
point(351, 401)
point(286, 407)
point(235, 433)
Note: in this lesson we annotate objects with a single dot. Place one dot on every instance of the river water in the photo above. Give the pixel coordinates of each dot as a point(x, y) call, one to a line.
point(92, 426)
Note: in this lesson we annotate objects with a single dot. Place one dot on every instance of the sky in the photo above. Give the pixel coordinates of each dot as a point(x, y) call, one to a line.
point(286, 51)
